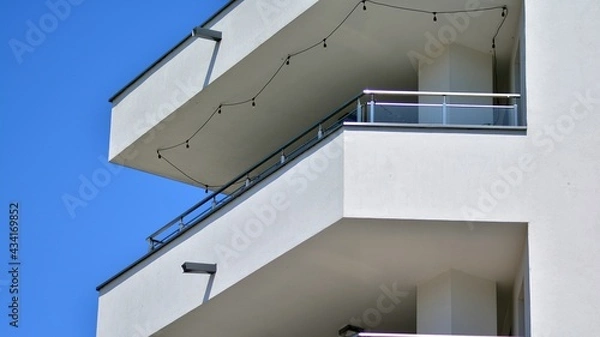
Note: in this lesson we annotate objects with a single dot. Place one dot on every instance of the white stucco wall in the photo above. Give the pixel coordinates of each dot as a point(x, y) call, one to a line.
point(563, 98)
point(446, 176)
point(159, 93)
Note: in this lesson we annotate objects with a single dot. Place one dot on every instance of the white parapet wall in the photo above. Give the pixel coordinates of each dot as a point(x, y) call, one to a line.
point(285, 210)
point(188, 69)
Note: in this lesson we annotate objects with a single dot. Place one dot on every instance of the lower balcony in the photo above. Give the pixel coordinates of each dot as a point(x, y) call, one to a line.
point(340, 226)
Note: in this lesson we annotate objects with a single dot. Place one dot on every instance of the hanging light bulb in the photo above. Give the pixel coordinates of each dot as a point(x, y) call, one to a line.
point(287, 61)
point(364, 5)
point(325, 43)
point(493, 43)
point(187, 144)
point(219, 110)
point(253, 102)
point(434, 17)
point(158, 154)
point(504, 11)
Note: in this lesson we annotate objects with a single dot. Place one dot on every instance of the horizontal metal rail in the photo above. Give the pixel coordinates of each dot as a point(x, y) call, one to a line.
point(439, 93)
point(449, 105)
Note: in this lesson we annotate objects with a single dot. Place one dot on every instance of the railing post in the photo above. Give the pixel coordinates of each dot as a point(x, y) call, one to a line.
point(359, 116)
point(516, 114)
point(282, 158)
point(320, 132)
point(214, 203)
point(180, 224)
point(444, 111)
point(372, 110)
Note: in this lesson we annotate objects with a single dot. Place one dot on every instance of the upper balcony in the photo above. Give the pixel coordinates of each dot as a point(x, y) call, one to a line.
point(260, 72)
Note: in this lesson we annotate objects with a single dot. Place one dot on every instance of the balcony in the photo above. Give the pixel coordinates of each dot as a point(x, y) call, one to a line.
point(269, 86)
point(317, 198)
point(372, 108)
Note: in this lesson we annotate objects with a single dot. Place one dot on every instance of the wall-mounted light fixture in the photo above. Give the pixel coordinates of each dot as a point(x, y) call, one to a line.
point(208, 34)
point(199, 268)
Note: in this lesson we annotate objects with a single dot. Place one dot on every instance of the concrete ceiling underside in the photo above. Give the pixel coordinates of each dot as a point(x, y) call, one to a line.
point(338, 275)
point(370, 50)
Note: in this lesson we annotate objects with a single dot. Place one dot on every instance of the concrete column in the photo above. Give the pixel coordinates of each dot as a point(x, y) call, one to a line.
point(456, 303)
point(457, 69)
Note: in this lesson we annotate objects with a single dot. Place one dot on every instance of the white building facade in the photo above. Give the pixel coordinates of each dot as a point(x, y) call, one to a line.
point(406, 167)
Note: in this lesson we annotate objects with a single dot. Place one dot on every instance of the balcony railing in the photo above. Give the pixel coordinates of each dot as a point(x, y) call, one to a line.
point(401, 108)
point(441, 108)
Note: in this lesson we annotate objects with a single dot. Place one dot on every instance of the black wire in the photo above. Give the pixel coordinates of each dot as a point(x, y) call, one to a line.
point(197, 181)
point(270, 79)
point(343, 21)
point(418, 10)
point(314, 45)
point(505, 11)
point(185, 174)
point(263, 87)
point(495, 58)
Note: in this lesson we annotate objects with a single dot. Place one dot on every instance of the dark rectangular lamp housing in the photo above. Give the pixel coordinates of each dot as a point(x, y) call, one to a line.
point(199, 268)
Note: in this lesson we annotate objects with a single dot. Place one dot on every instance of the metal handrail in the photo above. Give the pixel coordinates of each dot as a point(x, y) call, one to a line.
point(245, 177)
point(439, 93)
point(450, 105)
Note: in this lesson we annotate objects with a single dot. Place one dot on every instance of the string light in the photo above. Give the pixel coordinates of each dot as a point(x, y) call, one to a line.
point(504, 14)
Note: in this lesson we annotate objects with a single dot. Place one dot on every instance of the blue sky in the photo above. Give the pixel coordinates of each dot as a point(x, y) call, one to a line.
point(54, 127)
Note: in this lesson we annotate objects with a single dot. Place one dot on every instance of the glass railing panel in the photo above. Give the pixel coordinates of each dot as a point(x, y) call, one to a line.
point(404, 113)
point(441, 108)
point(479, 114)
